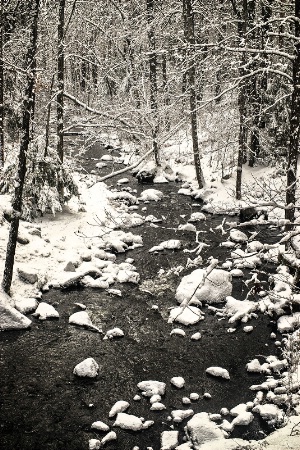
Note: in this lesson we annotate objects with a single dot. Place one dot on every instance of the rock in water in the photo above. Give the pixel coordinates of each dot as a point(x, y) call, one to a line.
point(45, 311)
point(238, 236)
point(118, 407)
point(128, 422)
point(151, 387)
point(169, 440)
point(179, 382)
point(87, 368)
point(201, 429)
point(82, 318)
point(218, 372)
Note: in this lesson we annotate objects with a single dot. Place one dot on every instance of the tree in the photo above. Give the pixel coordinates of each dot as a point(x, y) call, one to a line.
point(60, 79)
point(294, 121)
point(189, 34)
point(27, 112)
point(1, 86)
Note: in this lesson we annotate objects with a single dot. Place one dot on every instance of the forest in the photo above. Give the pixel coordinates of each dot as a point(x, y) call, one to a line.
point(201, 93)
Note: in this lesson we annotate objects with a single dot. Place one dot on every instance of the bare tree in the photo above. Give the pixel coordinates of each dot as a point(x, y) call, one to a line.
point(27, 112)
point(294, 121)
point(189, 34)
point(1, 86)
point(60, 79)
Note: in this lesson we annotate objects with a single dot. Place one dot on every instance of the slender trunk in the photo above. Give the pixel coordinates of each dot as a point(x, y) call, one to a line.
point(242, 99)
point(60, 80)
point(189, 34)
point(1, 87)
point(294, 124)
point(47, 130)
point(165, 89)
point(27, 111)
point(153, 80)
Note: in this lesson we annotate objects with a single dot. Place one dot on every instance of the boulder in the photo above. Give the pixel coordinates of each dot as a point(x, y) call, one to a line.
point(216, 288)
point(11, 318)
point(200, 430)
point(87, 368)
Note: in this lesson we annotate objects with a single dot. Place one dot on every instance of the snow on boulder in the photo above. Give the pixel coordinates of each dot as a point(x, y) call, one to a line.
point(200, 430)
point(107, 158)
point(254, 246)
point(244, 260)
point(157, 406)
point(119, 407)
point(239, 309)
point(271, 413)
point(218, 372)
point(172, 244)
point(178, 382)
point(197, 217)
point(238, 236)
point(151, 387)
point(10, 317)
point(244, 418)
point(94, 444)
point(169, 440)
point(128, 276)
point(26, 305)
point(236, 273)
point(97, 283)
point(151, 195)
point(87, 368)
point(187, 227)
point(113, 333)
point(45, 311)
point(217, 286)
point(128, 422)
point(178, 415)
point(99, 426)
point(82, 319)
point(186, 316)
point(288, 323)
point(111, 436)
point(178, 332)
point(239, 409)
point(123, 181)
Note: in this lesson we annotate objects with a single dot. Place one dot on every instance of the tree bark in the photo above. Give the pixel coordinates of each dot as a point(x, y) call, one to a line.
point(294, 123)
point(60, 79)
point(1, 86)
point(27, 111)
point(153, 79)
point(189, 34)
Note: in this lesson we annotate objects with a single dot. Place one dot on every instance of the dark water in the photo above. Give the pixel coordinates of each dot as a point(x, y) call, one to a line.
point(44, 406)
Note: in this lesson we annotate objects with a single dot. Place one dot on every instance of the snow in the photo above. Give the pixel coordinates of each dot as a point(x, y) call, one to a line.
point(82, 318)
point(151, 195)
point(114, 332)
point(128, 422)
point(187, 316)
point(172, 244)
point(179, 382)
point(152, 387)
point(169, 440)
point(100, 426)
point(45, 311)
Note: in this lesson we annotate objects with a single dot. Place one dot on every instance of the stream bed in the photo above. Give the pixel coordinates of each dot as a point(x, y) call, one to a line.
point(44, 406)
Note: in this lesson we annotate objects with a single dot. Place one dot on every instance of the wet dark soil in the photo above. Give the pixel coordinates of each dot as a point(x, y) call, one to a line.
point(44, 406)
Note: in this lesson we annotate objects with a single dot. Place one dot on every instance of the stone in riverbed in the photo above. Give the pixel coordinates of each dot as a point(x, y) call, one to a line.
point(87, 368)
point(11, 318)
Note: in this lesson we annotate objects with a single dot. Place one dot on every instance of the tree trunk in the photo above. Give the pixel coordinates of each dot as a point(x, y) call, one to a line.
point(189, 34)
point(165, 89)
point(153, 79)
point(27, 111)
point(1, 86)
point(242, 98)
point(294, 124)
point(60, 80)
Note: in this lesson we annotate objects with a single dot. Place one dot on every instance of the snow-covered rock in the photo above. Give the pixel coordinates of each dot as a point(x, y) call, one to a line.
point(271, 413)
point(152, 387)
point(196, 336)
point(151, 195)
point(178, 332)
point(10, 317)
point(45, 311)
point(239, 309)
point(218, 372)
point(288, 323)
point(169, 440)
point(128, 422)
point(172, 244)
point(179, 382)
point(178, 415)
point(100, 426)
point(114, 332)
point(197, 217)
point(238, 236)
point(94, 444)
point(194, 396)
point(111, 436)
point(82, 318)
point(200, 430)
point(187, 227)
point(157, 406)
point(119, 407)
point(186, 316)
point(155, 398)
point(87, 368)
point(216, 288)
point(26, 305)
